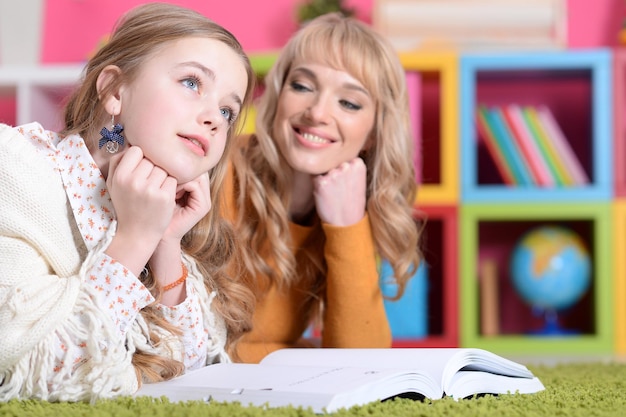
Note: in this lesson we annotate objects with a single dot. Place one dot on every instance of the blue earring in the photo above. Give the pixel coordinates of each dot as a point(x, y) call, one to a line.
point(111, 138)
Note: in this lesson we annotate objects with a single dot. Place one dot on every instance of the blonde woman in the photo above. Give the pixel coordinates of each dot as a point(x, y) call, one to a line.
point(324, 186)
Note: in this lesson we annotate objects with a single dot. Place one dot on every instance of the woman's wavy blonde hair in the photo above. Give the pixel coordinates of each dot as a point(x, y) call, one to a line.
point(263, 177)
point(138, 34)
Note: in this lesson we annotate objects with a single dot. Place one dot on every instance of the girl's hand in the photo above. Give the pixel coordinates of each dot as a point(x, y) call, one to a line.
point(144, 199)
point(193, 202)
point(340, 194)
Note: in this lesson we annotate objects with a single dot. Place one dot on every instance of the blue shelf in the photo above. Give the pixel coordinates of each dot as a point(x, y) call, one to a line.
point(531, 76)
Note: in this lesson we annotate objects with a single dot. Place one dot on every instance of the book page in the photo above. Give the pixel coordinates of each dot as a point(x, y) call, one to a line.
point(442, 365)
point(485, 372)
point(482, 360)
point(322, 388)
point(468, 383)
point(429, 361)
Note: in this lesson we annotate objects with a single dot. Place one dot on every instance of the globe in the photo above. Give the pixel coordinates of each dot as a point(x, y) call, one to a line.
point(550, 269)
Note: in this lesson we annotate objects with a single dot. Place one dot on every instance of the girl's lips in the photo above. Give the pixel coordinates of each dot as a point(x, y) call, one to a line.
point(197, 144)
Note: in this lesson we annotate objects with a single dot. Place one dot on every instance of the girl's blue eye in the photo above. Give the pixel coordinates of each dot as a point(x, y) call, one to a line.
point(229, 114)
point(192, 83)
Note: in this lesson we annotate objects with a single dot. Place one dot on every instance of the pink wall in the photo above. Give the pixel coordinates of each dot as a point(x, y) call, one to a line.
point(594, 22)
point(72, 28)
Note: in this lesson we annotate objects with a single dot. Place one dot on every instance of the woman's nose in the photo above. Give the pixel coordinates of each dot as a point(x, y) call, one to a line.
point(318, 110)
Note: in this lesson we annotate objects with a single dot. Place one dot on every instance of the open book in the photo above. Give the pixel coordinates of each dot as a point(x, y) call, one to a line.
point(330, 379)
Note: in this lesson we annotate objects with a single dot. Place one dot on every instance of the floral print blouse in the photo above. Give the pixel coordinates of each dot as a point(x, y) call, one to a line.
point(119, 291)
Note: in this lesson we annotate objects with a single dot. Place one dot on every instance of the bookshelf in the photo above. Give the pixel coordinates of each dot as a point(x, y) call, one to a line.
point(482, 239)
point(432, 79)
point(441, 253)
point(574, 85)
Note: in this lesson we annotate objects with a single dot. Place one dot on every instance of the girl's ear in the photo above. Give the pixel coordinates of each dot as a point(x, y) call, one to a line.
point(109, 90)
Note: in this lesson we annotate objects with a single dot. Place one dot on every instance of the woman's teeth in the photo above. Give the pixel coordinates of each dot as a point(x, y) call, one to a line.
point(313, 138)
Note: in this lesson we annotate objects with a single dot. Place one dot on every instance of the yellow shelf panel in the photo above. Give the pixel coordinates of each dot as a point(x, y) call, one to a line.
point(446, 64)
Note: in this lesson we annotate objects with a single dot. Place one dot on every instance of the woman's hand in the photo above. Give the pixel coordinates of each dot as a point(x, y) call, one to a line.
point(340, 194)
point(144, 199)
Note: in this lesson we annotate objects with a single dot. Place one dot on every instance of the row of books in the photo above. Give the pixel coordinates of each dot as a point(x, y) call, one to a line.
point(528, 146)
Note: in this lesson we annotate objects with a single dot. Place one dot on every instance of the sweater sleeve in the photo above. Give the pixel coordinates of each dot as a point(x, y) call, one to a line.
point(43, 296)
point(354, 312)
point(57, 343)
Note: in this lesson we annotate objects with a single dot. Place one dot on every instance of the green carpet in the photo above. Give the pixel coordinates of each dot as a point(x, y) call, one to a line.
point(578, 389)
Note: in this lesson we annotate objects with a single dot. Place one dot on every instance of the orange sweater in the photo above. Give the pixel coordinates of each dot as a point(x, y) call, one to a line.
point(354, 313)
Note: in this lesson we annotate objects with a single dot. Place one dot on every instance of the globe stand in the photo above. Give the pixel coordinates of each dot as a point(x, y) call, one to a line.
point(551, 324)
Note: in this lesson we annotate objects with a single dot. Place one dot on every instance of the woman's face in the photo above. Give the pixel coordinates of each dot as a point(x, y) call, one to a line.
point(182, 104)
point(324, 117)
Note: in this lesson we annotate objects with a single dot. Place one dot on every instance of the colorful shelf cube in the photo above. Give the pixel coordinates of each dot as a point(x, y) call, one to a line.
point(432, 79)
point(440, 249)
point(491, 232)
point(575, 85)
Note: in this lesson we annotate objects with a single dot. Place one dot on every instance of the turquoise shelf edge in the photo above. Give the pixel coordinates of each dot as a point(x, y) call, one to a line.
point(599, 63)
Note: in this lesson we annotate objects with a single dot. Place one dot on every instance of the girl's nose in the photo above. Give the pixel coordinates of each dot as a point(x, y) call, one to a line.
point(213, 118)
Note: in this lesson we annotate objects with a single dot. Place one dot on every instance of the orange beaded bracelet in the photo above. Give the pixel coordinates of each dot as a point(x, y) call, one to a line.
point(179, 281)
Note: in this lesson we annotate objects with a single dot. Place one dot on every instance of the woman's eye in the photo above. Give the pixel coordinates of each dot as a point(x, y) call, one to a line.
point(299, 87)
point(349, 105)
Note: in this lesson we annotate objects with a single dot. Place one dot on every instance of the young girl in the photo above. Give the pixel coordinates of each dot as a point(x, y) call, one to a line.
point(325, 186)
point(111, 270)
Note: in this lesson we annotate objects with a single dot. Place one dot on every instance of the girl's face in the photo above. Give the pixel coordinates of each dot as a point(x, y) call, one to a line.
point(182, 104)
point(324, 118)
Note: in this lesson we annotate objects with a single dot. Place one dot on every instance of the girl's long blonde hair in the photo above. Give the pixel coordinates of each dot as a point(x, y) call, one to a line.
point(211, 242)
point(263, 177)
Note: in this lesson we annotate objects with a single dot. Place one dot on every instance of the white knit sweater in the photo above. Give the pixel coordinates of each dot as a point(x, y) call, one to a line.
point(43, 262)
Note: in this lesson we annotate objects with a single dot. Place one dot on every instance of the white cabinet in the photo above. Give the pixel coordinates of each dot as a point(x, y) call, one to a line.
point(38, 93)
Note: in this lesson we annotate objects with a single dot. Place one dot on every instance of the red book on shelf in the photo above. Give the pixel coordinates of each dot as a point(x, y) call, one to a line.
point(491, 142)
point(530, 151)
point(562, 145)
